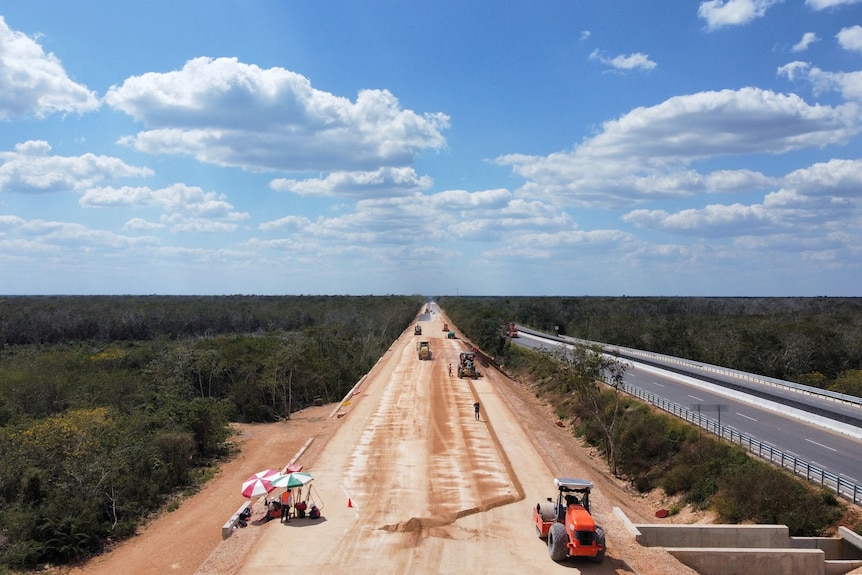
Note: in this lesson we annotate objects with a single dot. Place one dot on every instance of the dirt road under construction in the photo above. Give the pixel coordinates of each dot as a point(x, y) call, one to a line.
point(408, 481)
point(412, 482)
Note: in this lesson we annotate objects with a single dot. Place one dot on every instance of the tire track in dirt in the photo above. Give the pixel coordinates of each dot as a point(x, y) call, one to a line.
point(456, 442)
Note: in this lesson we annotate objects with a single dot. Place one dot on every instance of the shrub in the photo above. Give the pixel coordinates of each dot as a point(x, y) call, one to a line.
point(762, 494)
point(648, 442)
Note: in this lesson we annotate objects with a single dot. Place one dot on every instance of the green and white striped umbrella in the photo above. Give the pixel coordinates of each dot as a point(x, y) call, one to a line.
point(291, 480)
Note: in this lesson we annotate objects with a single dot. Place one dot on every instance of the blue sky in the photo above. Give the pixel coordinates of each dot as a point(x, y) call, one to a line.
point(572, 147)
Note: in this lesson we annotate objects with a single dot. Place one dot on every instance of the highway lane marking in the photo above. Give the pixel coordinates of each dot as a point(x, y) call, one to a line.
point(658, 384)
point(820, 444)
point(745, 416)
point(695, 397)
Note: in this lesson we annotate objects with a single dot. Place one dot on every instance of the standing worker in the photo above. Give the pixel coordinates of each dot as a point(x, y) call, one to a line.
point(286, 502)
point(450, 369)
point(476, 409)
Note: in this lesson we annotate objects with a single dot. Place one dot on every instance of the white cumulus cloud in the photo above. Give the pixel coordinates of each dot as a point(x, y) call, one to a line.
point(810, 204)
point(383, 182)
point(173, 199)
point(645, 153)
point(824, 4)
point(807, 39)
point(222, 111)
point(636, 61)
point(850, 38)
point(32, 169)
point(712, 220)
point(34, 84)
point(720, 13)
point(848, 84)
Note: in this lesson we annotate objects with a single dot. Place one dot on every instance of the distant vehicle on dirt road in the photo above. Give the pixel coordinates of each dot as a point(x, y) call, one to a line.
point(467, 365)
point(423, 350)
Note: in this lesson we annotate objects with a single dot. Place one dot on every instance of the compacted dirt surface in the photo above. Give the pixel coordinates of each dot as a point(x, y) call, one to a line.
point(408, 480)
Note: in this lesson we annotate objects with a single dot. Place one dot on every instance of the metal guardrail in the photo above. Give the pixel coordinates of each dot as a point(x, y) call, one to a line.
point(705, 367)
point(753, 378)
point(842, 487)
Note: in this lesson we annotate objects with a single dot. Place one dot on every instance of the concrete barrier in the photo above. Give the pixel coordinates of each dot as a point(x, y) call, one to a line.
point(841, 567)
point(743, 549)
point(700, 535)
point(831, 546)
point(228, 528)
point(630, 527)
point(849, 555)
point(726, 561)
point(853, 547)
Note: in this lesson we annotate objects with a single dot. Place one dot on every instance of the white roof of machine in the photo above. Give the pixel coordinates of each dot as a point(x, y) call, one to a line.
point(570, 483)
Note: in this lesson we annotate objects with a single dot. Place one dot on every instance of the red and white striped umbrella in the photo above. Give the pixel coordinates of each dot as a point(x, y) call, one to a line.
point(260, 483)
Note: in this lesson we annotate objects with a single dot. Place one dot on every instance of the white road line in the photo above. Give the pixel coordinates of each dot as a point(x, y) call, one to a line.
point(820, 445)
point(695, 397)
point(745, 416)
point(658, 384)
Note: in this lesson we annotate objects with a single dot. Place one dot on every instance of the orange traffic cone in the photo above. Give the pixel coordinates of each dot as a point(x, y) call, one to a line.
point(349, 502)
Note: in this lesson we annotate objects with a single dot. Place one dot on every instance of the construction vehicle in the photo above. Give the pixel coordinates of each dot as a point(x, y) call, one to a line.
point(423, 350)
point(445, 327)
point(450, 335)
point(467, 365)
point(568, 525)
point(417, 330)
point(512, 330)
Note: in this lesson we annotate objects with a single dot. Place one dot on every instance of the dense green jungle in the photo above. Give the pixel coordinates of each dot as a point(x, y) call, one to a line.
point(111, 407)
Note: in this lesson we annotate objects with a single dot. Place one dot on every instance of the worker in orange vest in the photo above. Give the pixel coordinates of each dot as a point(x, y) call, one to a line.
point(286, 501)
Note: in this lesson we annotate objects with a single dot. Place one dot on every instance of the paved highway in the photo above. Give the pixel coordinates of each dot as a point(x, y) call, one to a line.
point(831, 445)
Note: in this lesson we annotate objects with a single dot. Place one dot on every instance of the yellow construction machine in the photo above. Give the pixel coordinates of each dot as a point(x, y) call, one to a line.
point(423, 350)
